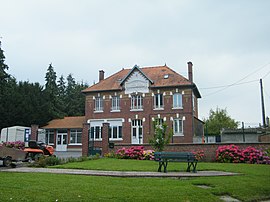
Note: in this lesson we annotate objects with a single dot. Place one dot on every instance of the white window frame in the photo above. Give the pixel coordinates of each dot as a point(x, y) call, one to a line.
point(115, 104)
point(178, 127)
point(76, 133)
point(49, 139)
point(98, 104)
point(97, 135)
point(136, 102)
point(116, 132)
point(177, 101)
point(158, 101)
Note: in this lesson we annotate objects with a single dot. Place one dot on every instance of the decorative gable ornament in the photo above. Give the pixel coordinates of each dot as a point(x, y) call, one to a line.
point(136, 81)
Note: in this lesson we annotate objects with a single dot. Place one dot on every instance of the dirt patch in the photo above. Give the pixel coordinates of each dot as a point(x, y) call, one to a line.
point(203, 186)
point(228, 198)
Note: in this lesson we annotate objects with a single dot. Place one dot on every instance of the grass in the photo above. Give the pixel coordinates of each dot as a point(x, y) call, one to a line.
point(253, 185)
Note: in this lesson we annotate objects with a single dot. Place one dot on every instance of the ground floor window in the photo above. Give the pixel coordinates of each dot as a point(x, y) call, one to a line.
point(115, 132)
point(49, 137)
point(178, 126)
point(115, 128)
point(76, 136)
point(96, 132)
point(159, 122)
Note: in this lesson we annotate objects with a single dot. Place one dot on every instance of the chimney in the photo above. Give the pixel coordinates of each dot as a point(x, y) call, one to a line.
point(101, 75)
point(190, 74)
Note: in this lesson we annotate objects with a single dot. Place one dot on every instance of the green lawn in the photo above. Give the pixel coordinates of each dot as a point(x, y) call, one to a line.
point(253, 185)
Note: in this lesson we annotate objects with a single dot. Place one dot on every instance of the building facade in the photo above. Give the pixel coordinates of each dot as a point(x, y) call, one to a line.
point(131, 99)
point(64, 134)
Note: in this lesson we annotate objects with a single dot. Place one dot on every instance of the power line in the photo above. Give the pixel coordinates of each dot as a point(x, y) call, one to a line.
point(237, 82)
point(229, 85)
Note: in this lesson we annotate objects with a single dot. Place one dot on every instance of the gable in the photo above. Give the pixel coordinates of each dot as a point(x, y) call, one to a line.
point(136, 83)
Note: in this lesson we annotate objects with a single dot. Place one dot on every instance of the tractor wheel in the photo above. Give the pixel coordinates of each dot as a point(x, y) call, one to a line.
point(7, 161)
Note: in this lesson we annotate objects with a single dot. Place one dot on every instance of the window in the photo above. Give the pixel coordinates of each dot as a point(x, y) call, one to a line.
point(76, 136)
point(158, 102)
point(115, 132)
point(115, 103)
point(177, 100)
point(99, 104)
point(49, 136)
point(96, 132)
point(159, 122)
point(178, 127)
point(136, 102)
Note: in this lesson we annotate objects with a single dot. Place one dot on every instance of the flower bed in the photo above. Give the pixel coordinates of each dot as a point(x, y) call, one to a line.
point(233, 154)
point(135, 152)
point(17, 144)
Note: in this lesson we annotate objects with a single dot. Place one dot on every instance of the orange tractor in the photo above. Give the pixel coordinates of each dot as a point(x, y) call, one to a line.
point(38, 149)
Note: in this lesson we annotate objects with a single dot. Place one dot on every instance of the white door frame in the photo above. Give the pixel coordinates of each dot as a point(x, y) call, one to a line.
point(136, 131)
point(61, 141)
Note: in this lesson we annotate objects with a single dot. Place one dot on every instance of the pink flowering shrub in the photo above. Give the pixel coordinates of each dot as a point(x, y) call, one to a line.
point(16, 144)
point(229, 154)
point(135, 152)
point(232, 154)
point(252, 155)
point(199, 155)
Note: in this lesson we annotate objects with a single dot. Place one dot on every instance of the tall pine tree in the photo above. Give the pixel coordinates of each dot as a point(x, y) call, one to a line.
point(51, 92)
point(61, 96)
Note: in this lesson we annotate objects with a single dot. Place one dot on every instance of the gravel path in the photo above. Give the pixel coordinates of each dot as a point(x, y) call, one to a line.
point(118, 173)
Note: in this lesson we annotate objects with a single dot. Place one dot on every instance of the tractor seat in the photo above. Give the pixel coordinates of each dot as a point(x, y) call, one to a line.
point(33, 144)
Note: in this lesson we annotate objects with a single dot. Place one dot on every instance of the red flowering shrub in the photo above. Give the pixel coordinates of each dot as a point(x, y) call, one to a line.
point(16, 144)
point(232, 154)
point(135, 152)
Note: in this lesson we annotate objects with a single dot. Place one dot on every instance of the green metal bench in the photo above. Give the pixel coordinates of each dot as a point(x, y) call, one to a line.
point(164, 157)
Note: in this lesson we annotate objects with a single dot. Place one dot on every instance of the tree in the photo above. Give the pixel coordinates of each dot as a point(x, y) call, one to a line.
point(161, 137)
point(7, 84)
point(61, 95)
point(74, 98)
point(3, 74)
point(51, 92)
point(218, 120)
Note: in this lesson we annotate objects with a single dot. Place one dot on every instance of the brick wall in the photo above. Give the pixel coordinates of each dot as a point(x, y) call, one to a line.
point(209, 149)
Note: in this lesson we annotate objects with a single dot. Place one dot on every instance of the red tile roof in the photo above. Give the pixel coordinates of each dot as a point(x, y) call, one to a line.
point(66, 122)
point(156, 74)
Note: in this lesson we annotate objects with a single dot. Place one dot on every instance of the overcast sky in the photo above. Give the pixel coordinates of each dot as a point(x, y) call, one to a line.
point(228, 43)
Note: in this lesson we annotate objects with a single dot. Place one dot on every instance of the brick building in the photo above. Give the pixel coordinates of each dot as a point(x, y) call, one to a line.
point(64, 134)
point(128, 101)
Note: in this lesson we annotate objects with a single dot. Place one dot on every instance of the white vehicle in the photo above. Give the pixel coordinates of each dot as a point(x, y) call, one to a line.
point(15, 133)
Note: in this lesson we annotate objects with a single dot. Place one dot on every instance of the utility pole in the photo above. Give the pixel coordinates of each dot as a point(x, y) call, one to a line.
point(243, 131)
point(263, 110)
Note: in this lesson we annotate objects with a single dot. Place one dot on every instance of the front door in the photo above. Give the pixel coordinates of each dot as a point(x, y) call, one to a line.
point(137, 131)
point(61, 142)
